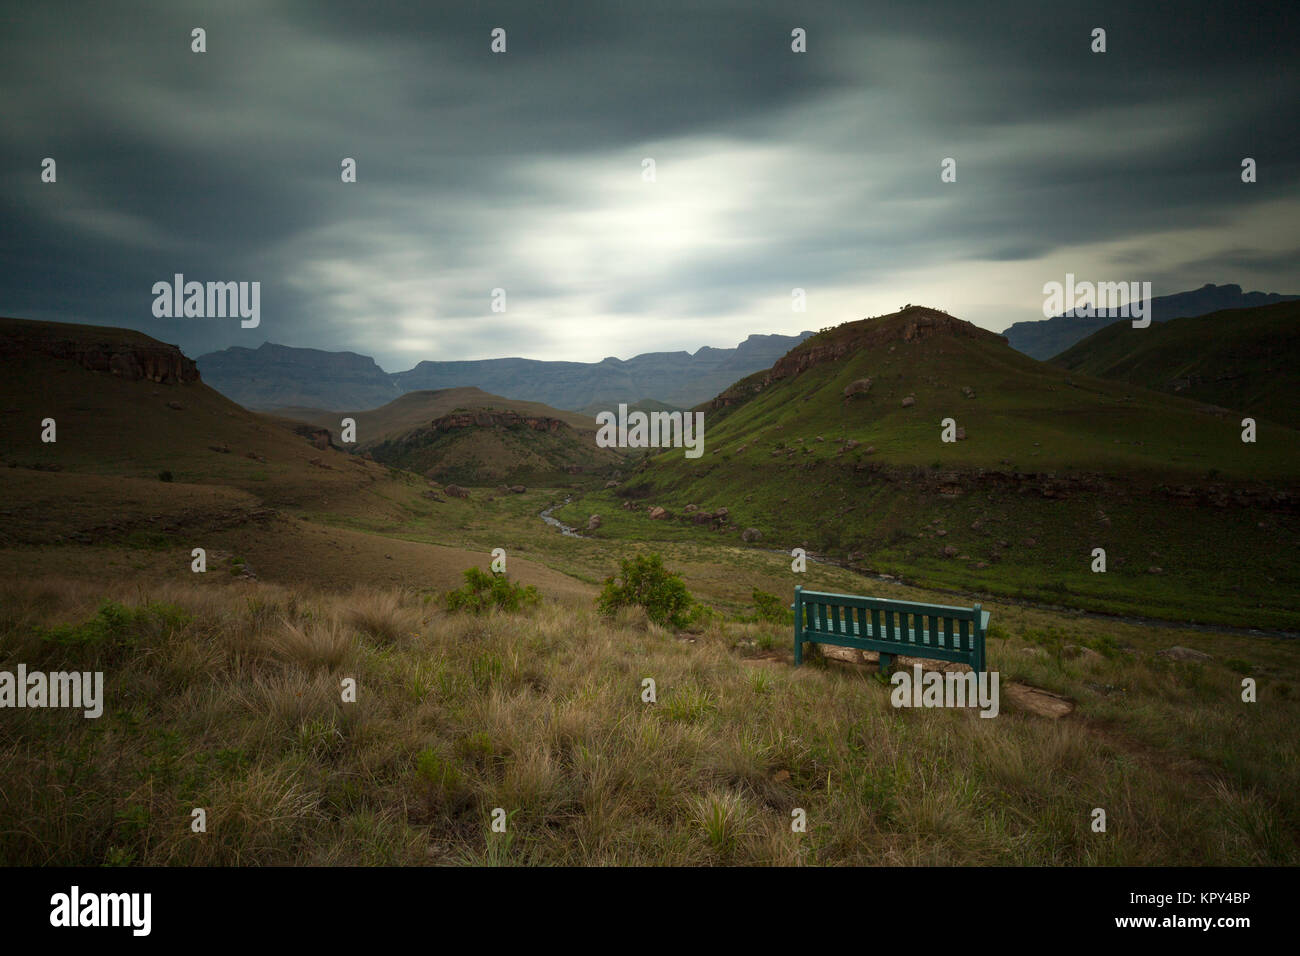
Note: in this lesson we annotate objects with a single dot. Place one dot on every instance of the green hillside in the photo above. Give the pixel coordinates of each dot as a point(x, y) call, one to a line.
point(468, 436)
point(1195, 523)
point(1244, 359)
point(419, 408)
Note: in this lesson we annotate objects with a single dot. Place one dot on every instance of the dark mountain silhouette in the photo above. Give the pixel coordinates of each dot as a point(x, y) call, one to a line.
point(279, 376)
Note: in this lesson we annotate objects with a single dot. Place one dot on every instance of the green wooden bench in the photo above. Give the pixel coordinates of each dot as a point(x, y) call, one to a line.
point(933, 631)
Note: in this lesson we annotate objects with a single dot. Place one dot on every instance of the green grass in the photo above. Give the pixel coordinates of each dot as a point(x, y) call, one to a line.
point(235, 707)
point(1243, 359)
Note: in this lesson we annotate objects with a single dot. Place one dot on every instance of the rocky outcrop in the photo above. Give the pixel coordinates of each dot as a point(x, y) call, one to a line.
point(503, 419)
point(118, 352)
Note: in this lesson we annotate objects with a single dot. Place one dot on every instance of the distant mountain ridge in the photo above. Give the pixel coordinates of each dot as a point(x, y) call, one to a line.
point(273, 376)
point(278, 376)
point(1044, 338)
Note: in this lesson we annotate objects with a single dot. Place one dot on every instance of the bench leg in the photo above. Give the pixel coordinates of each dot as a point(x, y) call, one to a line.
point(798, 652)
point(886, 662)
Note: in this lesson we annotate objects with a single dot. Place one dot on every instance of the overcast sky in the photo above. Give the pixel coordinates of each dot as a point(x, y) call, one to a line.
point(523, 170)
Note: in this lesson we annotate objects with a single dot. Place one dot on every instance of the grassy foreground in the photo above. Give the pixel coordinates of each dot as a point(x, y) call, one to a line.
point(227, 697)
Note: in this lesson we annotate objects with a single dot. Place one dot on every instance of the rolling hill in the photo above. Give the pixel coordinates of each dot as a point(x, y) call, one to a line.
point(1244, 359)
point(467, 436)
point(149, 462)
point(1044, 338)
point(838, 448)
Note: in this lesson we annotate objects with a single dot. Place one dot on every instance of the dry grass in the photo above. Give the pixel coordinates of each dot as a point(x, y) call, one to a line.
point(230, 699)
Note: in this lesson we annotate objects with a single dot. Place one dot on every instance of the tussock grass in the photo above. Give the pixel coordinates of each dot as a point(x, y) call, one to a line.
point(234, 705)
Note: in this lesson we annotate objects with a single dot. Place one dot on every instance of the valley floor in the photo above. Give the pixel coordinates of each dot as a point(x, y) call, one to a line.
point(223, 693)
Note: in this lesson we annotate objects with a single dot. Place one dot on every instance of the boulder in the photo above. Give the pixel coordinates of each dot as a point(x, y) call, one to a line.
point(456, 491)
point(658, 513)
point(750, 534)
point(857, 387)
point(593, 522)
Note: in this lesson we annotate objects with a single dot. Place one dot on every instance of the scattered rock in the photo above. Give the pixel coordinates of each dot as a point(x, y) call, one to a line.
point(689, 508)
point(848, 655)
point(223, 449)
point(658, 513)
point(176, 405)
point(950, 552)
point(518, 489)
point(593, 522)
point(1155, 570)
point(1030, 542)
point(1071, 651)
point(857, 387)
point(611, 484)
point(1041, 702)
point(1177, 653)
point(750, 534)
point(909, 401)
point(456, 491)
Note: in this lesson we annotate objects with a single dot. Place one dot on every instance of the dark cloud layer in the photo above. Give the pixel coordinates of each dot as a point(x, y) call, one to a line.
point(523, 171)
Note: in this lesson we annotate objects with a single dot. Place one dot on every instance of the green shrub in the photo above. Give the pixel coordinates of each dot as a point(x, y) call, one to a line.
point(115, 625)
point(483, 592)
point(771, 608)
point(645, 582)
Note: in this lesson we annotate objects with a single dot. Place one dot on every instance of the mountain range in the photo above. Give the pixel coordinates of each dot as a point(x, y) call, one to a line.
point(279, 376)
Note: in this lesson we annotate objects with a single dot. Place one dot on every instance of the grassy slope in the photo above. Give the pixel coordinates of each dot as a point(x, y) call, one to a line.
point(1243, 359)
point(393, 434)
point(105, 507)
point(419, 408)
point(763, 461)
point(225, 695)
point(234, 705)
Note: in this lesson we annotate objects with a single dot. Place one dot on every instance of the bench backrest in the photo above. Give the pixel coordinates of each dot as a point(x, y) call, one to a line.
point(897, 626)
